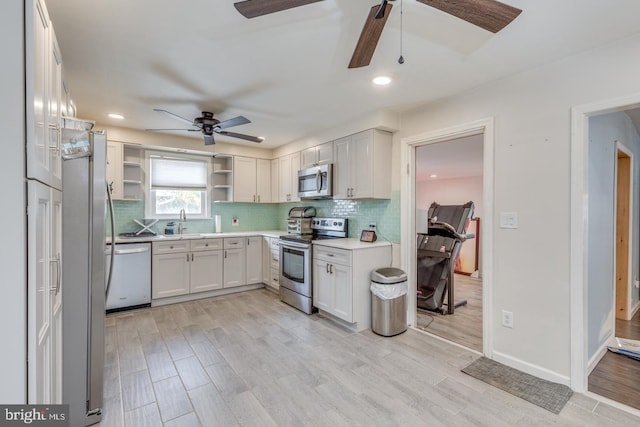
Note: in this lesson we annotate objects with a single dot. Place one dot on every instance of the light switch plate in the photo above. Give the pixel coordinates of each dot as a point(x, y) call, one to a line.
point(508, 220)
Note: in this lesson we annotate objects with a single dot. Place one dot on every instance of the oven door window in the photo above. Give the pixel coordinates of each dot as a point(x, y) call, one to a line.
point(293, 264)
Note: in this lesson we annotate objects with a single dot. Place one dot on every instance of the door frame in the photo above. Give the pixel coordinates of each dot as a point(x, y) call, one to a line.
point(579, 252)
point(622, 148)
point(409, 144)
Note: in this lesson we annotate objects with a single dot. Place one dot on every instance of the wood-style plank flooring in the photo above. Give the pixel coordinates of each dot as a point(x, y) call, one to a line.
point(617, 377)
point(464, 326)
point(249, 360)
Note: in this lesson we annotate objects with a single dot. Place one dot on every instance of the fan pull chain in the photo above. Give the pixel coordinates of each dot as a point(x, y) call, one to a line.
point(401, 59)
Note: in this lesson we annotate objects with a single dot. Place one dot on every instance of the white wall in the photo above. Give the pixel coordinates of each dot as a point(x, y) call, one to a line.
point(604, 131)
point(13, 254)
point(532, 177)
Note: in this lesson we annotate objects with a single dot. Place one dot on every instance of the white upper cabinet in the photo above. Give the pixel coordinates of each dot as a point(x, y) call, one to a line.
point(252, 180)
point(288, 168)
point(275, 180)
point(263, 181)
point(319, 155)
point(361, 166)
point(43, 85)
point(114, 169)
point(244, 182)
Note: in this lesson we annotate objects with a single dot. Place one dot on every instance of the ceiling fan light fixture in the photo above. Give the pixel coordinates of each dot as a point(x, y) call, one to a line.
point(381, 80)
point(116, 116)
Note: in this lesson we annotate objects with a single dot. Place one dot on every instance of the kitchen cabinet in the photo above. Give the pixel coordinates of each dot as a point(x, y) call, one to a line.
point(341, 279)
point(275, 180)
point(288, 168)
point(124, 171)
point(181, 267)
point(234, 262)
point(252, 180)
point(319, 155)
point(44, 293)
point(43, 81)
point(253, 260)
point(271, 262)
point(361, 166)
point(222, 178)
point(263, 181)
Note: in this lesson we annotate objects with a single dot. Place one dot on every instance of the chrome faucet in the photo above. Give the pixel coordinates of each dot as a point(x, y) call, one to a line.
point(183, 217)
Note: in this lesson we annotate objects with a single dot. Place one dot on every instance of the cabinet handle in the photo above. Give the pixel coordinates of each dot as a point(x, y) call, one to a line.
point(258, 198)
point(254, 198)
point(187, 257)
point(171, 247)
point(225, 254)
point(191, 256)
point(327, 268)
point(275, 259)
point(331, 269)
point(206, 245)
point(330, 255)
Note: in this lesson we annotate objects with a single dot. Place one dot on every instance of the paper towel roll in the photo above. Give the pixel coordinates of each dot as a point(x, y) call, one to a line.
point(218, 220)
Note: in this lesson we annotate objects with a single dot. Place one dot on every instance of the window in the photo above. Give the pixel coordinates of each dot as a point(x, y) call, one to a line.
point(176, 182)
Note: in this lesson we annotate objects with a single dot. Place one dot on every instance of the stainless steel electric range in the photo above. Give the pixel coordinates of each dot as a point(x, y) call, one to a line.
point(296, 254)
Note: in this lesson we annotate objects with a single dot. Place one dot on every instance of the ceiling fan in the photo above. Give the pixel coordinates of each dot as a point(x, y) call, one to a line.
point(491, 15)
point(209, 125)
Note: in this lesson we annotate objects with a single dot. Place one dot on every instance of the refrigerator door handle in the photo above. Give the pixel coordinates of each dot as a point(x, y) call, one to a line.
point(113, 246)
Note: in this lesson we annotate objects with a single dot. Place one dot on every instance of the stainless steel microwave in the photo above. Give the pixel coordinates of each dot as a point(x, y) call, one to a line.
point(316, 182)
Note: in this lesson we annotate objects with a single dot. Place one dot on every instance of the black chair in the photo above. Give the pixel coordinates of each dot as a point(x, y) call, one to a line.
point(437, 252)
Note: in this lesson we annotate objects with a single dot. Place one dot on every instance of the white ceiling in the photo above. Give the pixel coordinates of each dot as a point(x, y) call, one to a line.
point(287, 72)
point(456, 158)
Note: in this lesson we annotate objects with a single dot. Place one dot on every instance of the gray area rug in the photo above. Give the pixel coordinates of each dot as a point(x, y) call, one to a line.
point(546, 394)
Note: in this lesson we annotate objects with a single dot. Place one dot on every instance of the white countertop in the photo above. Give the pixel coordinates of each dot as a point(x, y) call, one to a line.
point(350, 244)
point(163, 237)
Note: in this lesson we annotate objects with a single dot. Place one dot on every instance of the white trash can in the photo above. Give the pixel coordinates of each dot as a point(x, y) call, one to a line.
point(388, 301)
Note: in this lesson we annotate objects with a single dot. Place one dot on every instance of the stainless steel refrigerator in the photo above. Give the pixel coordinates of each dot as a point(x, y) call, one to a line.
point(83, 242)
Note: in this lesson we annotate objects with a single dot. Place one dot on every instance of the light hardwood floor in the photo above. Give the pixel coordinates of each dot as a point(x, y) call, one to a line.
point(464, 326)
point(248, 359)
point(618, 377)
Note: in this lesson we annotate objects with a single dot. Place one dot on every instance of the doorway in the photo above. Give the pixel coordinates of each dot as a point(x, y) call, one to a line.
point(451, 173)
point(605, 247)
point(483, 130)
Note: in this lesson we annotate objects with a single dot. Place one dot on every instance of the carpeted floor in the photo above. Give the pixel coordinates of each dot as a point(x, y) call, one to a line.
point(546, 394)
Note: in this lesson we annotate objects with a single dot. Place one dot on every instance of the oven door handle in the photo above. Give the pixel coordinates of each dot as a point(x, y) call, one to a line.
point(294, 245)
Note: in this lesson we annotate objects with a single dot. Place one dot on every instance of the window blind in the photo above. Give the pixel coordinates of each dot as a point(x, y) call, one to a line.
point(178, 173)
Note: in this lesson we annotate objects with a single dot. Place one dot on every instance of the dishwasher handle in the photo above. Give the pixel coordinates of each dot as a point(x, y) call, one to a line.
point(127, 251)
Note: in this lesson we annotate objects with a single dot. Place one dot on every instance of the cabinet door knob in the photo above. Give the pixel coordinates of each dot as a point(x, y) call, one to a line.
point(187, 257)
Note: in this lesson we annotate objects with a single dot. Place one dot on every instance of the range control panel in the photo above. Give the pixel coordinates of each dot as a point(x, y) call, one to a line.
point(329, 224)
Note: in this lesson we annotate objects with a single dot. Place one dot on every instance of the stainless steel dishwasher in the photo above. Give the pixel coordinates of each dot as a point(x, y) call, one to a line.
point(131, 276)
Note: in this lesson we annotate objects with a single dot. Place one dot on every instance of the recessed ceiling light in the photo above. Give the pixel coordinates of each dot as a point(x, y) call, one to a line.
point(116, 116)
point(382, 80)
point(433, 175)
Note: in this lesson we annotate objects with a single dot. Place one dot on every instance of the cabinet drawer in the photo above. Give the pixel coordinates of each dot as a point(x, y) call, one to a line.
point(172, 246)
point(275, 244)
point(206, 244)
point(275, 277)
point(234, 242)
point(338, 256)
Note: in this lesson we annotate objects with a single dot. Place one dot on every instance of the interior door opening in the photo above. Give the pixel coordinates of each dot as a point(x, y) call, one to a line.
point(451, 173)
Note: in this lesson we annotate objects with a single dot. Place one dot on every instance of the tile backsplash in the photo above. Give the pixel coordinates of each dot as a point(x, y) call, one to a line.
point(272, 216)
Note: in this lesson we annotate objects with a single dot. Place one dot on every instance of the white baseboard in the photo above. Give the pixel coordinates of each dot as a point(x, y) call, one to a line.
point(595, 359)
point(531, 369)
point(634, 310)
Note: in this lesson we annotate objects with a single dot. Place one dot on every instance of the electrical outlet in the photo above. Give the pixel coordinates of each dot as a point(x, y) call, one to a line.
point(508, 220)
point(507, 319)
point(235, 222)
point(372, 226)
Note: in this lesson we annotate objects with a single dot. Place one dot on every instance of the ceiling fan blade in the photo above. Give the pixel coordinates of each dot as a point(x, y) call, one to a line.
point(369, 37)
point(254, 8)
point(208, 140)
point(241, 136)
point(236, 121)
point(161, 130)
point(175, 116)
point(491, 15)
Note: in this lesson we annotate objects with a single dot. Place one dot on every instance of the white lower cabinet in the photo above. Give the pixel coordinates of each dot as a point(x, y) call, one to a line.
point(234, 262)
point(181, 267)
point(341, 279)
point(254, 260)
point(271, 262)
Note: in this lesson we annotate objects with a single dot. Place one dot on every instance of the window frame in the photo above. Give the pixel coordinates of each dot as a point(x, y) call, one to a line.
point(149, 202)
